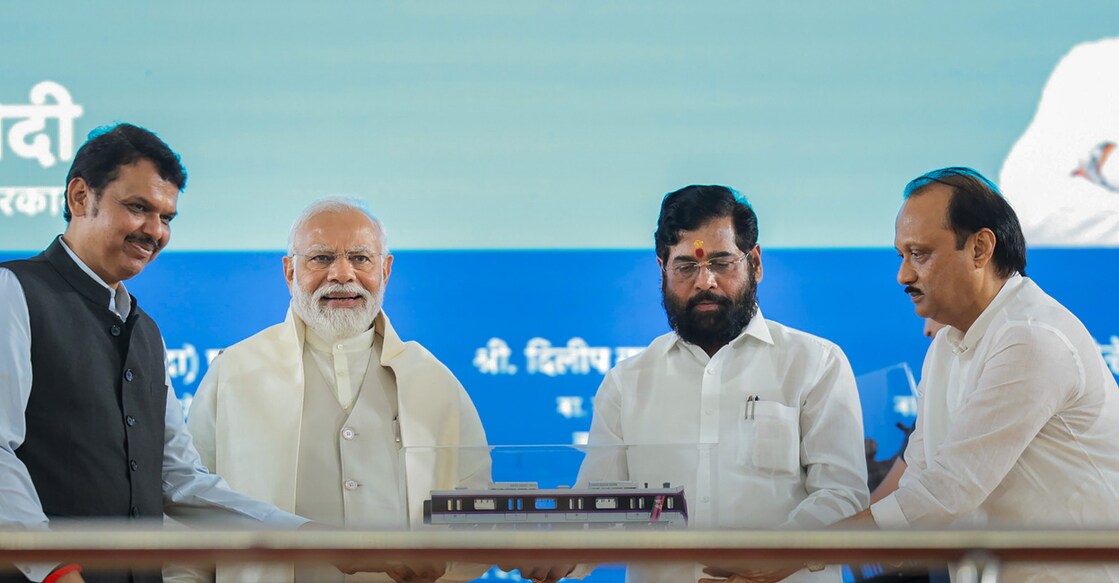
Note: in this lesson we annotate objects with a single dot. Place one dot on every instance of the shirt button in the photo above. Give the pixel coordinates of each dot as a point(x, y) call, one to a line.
point(709, 371)
point(128, 376)
point(710, 411)
point(134, 512)
point(115, 330)
point(350, 485)
point(706, 499)
point(134, 465)
point(348, 433)
point(339, 347)
point(130, 420)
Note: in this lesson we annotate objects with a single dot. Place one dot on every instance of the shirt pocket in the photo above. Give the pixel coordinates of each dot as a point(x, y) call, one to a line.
point(769, 438)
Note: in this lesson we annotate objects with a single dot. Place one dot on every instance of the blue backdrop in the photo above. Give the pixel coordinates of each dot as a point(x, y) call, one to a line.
point(457, 302)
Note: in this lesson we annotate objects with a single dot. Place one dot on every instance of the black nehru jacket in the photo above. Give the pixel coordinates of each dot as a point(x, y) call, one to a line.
point(95, 418)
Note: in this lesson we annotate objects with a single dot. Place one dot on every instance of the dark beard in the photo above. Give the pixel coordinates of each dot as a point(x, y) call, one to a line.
point(711, 329)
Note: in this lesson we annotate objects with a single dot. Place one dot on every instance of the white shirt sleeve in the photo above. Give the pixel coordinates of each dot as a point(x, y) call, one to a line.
point(1022, 386)
point(475, 464)
point(202, 421)
point(606, 458)
point(19, 502)
point(192, 493)
point(831, 447)
point(886, 512)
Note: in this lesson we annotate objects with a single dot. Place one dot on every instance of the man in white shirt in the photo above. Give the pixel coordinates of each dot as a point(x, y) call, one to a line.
point(759, 422)
point(1018, 415)
point(329, 414)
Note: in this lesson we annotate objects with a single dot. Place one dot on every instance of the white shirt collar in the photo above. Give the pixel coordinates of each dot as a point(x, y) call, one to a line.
point(757, 328)
point(119, 303)
point(961, 342)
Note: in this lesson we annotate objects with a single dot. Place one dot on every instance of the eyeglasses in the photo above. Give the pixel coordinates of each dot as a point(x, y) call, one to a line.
point(323, 261)
point(688, 271)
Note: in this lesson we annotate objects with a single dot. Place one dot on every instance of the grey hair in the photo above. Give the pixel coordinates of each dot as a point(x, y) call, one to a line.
point(335, 204)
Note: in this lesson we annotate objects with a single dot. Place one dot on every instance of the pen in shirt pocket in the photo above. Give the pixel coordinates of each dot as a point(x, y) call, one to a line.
point(752, 406)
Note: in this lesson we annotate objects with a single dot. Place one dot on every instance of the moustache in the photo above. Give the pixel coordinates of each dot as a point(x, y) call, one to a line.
point(352, 289)
point(143, 241)
point(911, 290)
point(706, 296)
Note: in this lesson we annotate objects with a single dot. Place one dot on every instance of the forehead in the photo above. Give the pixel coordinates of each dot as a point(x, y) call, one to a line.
point(924, 216)
point(339, 230)
point(142, 179)
point(718, 235)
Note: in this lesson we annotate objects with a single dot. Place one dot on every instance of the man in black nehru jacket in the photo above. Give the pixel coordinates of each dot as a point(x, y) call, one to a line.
point(89, 426)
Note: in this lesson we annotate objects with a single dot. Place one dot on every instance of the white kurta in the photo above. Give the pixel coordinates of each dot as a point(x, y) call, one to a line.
point(247, 414)
point(1018, 427)
point(792, 459)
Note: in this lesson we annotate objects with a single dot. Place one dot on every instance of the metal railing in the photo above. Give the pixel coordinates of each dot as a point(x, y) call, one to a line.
point(977, 555)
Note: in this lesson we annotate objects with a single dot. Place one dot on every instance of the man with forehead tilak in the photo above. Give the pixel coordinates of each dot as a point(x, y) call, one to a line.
point(1018, 415)
point(759, 422)
point(330, 414)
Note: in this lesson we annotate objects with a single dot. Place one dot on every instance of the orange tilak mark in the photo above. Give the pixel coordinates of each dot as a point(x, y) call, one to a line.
point(698, 244)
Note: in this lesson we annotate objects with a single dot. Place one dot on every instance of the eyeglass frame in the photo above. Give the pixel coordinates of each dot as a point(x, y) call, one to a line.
point(308, 258)
point(672, 273)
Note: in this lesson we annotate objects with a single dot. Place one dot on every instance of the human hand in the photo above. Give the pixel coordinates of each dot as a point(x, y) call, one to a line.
point(540, 573)
point(416, 572)
point(748, 575)
point(410, 572)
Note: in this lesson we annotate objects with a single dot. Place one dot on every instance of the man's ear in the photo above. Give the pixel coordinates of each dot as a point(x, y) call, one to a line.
point(983, 247)
point(79, 197)
point(386, 270)
point(289, 271)
point(756, 254)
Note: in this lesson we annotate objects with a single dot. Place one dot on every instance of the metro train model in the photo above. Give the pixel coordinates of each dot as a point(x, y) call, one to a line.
point(524, 505)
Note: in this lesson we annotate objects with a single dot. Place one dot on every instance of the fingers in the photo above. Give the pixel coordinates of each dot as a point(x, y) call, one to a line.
point(416, 572)
point(370, 567)
point(543, 574)
point(558, 572)
point(722, 575)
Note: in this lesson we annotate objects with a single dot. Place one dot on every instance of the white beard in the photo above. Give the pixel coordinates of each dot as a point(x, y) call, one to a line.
point(336, 323)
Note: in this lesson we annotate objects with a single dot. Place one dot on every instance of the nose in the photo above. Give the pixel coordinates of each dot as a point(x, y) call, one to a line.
point(153, 227)
point(705, 279)
point(341, 271)
point(906, 273)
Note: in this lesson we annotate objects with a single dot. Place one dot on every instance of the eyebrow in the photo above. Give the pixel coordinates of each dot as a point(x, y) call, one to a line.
point(147, 202)
point(319, 249)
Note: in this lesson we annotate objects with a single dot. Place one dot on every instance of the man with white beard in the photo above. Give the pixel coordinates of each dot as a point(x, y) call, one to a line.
point(329, 414)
